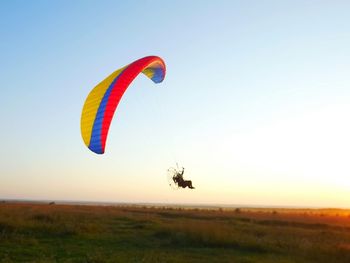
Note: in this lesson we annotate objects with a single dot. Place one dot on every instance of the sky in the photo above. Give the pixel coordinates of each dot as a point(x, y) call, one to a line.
point(255, 103)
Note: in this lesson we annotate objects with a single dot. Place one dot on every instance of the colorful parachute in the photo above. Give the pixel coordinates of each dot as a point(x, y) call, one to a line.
point(103, 100)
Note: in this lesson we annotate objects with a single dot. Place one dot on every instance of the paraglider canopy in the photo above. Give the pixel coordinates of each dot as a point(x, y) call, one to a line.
point(103, 100)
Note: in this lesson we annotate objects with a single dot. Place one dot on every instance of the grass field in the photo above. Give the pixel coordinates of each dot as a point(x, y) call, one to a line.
point(80, 233)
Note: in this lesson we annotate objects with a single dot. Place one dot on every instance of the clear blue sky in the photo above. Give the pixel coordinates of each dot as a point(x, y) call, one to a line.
point(255, 103)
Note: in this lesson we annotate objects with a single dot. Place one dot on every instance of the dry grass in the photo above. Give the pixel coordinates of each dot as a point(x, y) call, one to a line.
point(73, 233)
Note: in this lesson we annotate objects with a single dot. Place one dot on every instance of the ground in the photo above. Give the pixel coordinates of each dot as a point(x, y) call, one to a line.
point(82, 233)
